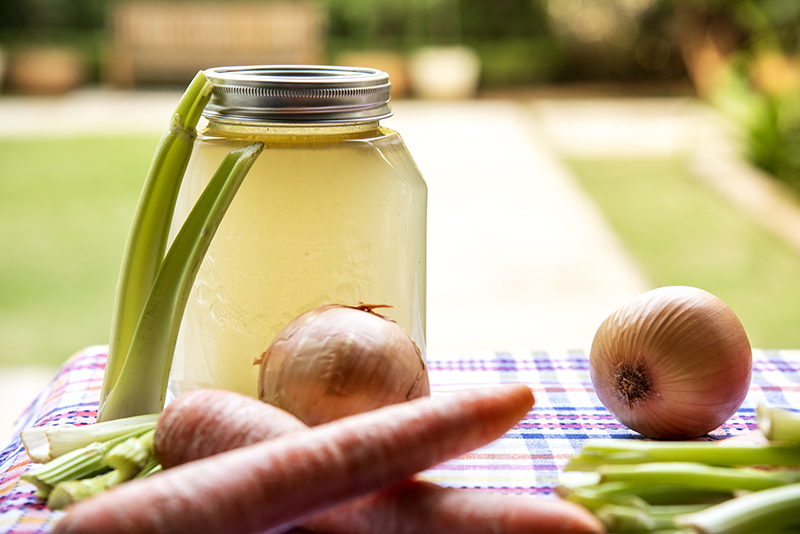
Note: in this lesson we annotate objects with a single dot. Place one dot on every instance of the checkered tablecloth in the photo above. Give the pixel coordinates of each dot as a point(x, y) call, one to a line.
point(527, 460)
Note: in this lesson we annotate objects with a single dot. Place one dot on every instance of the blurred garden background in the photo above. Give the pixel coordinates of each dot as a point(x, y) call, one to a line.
point(66, 202)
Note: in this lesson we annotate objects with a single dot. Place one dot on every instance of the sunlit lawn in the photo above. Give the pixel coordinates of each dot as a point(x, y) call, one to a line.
point(65, 209)
point(681, 233)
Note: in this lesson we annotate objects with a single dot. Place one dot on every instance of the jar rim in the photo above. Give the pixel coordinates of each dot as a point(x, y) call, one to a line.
point(318, 94)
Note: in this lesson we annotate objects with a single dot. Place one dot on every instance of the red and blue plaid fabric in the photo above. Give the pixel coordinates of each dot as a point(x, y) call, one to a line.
point(527, 460)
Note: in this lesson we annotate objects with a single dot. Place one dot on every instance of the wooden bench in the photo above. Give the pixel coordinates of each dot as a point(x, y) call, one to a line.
point(153, 42)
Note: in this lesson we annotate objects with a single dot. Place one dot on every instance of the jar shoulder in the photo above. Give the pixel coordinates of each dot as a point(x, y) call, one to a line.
point(315, 143)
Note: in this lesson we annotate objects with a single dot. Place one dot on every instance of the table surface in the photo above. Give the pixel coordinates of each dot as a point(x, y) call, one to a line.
point(527, 460)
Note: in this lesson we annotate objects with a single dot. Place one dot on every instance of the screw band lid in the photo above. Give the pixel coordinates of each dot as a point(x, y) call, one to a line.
point(298, 94)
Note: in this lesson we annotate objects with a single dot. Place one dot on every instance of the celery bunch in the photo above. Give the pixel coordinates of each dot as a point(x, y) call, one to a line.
point(95, 467)
point(636, 486)
point(147, 240)
point(152, 291)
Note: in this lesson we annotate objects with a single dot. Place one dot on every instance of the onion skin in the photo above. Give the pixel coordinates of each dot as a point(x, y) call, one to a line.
point(336, 360)
point(673, 363)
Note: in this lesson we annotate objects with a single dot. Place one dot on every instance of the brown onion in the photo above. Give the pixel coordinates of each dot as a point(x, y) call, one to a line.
point(337, 360)
point(673, 363)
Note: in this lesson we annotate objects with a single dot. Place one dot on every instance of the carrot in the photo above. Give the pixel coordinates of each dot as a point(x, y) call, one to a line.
point(210, 421)
point(202, 423)
point(418, 507)
point(271, 486)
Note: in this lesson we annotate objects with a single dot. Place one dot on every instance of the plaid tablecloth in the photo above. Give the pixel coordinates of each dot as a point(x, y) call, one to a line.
point(527, 460)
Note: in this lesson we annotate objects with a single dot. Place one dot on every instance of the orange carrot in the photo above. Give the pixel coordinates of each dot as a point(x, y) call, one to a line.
point(210, 421)
point(202, 423)
point(272, 486)
point(417, 507)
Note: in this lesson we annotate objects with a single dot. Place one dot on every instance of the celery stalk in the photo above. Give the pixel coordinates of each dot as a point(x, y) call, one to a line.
point(150, 468)
point(70, 491)
point(625, 519)
point(695, 475)
point(131, 455)
point(142, 382)
point(45, 443)
point(771, 510)
point(125, 459)
point(600, 452)
point(148, 235)
point(625, 493)
point(647, 519)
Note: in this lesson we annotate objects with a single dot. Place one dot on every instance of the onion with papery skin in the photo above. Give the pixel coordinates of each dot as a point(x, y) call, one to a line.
point(337, 360)
point(673, 363)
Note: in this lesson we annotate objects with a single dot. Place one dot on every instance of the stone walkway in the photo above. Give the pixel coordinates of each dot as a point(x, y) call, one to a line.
point(519, 258)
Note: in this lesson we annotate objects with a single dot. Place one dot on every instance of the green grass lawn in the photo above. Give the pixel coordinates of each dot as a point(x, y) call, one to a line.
point(682, 233)
point(65, 210)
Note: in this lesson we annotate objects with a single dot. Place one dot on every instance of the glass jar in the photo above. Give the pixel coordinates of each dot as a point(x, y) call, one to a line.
point(333, 211)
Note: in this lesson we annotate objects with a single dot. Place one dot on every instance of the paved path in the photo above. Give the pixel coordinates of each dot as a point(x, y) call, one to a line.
point(519, 257)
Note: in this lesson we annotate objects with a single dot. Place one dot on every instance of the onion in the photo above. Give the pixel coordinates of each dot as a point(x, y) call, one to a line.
point(673, 363)
point(337, 360)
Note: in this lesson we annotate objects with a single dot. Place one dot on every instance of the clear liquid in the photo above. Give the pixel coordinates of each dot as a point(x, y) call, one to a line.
point(319, 219)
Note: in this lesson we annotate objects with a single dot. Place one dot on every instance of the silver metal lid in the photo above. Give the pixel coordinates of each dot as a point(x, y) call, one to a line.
point(298, 94)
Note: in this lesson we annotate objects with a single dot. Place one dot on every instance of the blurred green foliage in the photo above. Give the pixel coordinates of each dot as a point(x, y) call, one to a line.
point(769, 122)
point(753, 75)
point(623, 40)
point(45, 19)
point(519, 41)
point(726, 49)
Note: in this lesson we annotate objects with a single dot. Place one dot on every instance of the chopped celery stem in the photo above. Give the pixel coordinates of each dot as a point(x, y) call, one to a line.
point(778, 424)
point(45, 443)
point(79, 464)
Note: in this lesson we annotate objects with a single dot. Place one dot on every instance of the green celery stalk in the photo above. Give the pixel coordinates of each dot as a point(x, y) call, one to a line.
point(625, 493)
point(142, 382)
point(625, 519)
point(131, 455)
point(596, 498)
point(45, 443)
point(771, 510)
point(601, 452)
point(695, 475)
point(151, 468)
point(589, 461)
point(126, 460)
point(642, 520)
point(147, 239)
point(71, 491)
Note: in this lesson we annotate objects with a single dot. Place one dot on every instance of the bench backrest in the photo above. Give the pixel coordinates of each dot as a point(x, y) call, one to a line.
point(170, 42)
